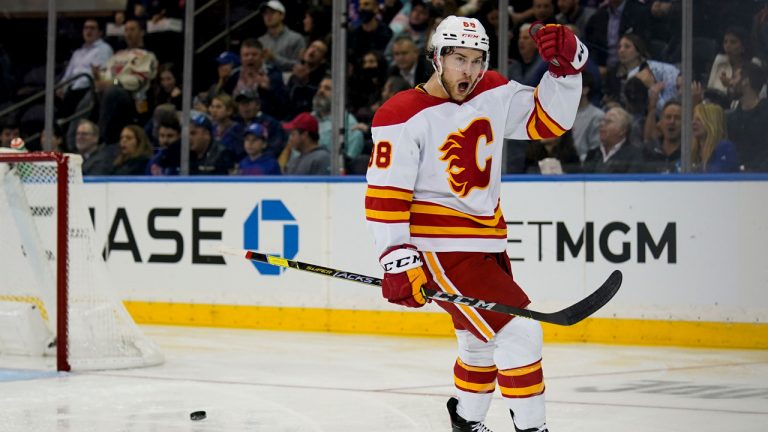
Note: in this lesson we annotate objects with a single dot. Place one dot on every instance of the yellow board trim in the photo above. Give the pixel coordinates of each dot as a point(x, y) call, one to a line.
point(592, 330)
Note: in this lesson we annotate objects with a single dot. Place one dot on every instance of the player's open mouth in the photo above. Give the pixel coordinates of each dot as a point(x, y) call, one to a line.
point(463, 86)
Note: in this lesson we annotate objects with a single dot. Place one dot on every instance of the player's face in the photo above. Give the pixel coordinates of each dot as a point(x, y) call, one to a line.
point(461, 71)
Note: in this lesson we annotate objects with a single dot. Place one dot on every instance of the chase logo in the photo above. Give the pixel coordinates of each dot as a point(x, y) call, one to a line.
point(271, 225)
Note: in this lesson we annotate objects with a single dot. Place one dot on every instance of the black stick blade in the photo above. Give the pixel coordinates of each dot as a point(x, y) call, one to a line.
point(590, 304)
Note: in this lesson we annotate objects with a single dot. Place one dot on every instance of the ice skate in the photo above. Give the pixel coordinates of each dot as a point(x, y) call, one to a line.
point(541, 429)
point(459, 424)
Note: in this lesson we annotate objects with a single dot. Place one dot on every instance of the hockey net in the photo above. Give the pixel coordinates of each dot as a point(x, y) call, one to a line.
point(56, 296)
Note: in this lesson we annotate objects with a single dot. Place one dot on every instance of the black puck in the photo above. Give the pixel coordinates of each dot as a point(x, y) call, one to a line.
point(197, 415)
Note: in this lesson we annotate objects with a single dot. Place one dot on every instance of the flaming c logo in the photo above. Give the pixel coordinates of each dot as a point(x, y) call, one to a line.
point(460, 151)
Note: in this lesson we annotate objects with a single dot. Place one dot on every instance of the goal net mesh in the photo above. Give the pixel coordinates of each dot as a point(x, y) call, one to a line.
point(99, 332)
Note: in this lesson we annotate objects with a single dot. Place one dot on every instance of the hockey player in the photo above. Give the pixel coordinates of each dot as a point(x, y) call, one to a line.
point(432, 204)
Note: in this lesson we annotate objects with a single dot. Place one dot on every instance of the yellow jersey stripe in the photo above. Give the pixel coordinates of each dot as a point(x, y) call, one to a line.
point(388, 193)
point(542, 115)
point(532, 132)
point(419, 229)
point(522, 391)
point(387, 215)
point(484, 388)
point(521, 371)
point(445, 211)
point(476, 368)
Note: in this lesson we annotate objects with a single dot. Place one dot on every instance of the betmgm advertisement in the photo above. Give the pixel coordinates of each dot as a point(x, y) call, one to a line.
point(689, 251)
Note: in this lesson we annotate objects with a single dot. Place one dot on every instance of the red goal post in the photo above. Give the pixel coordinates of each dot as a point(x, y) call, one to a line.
point(52, 265)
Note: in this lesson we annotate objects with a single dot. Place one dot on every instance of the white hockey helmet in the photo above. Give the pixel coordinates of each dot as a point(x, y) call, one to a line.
point(458, 32)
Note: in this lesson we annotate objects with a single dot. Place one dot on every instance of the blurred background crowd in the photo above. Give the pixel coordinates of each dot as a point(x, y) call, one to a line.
point(262, 83)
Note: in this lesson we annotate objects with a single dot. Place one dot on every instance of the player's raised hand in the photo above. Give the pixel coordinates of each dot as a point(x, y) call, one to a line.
point(560, 47)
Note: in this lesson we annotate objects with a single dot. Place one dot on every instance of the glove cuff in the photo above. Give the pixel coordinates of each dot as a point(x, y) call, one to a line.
point(579, 59)
point(401, 258)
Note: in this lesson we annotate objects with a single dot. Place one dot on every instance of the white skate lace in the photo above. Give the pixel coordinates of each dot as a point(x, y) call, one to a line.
point(479, 427)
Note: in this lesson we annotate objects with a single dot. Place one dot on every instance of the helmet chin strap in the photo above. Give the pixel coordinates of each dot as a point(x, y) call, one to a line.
point(437, 63)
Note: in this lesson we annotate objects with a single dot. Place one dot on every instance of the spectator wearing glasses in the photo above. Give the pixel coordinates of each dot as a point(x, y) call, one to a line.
point(97, 158)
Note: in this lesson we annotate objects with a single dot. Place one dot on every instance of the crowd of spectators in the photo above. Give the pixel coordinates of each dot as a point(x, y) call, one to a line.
point(267, 108)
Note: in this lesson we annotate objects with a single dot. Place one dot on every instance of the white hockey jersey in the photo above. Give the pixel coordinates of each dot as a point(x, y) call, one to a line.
point(434, 177)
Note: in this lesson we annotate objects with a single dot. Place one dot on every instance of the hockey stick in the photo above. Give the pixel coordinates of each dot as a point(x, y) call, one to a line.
point(566, 317)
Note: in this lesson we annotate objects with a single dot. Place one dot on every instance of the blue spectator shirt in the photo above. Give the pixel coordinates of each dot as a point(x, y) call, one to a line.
point(262, 165)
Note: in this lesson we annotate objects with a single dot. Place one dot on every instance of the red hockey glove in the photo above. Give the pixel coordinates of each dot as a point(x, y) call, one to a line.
point(560, 47)
point(403, 276)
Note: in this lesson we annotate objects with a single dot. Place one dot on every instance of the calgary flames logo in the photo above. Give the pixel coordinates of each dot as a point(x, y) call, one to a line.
point(460, 151)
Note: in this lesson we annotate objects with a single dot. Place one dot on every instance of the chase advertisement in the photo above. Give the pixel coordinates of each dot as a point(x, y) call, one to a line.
point(688, 250)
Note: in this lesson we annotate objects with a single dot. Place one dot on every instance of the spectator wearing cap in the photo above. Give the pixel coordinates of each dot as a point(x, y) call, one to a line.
point(207, 156)
point(282, 46)
point(254, 74)
point(228, 66)
point(256, 161)
point(226, 130)
point(249, 108)
point(312, 159)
